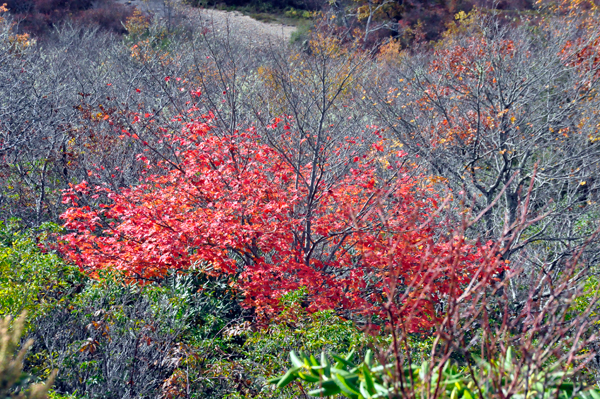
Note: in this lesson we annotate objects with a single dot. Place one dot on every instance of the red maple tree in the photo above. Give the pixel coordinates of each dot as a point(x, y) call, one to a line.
point(236, 206)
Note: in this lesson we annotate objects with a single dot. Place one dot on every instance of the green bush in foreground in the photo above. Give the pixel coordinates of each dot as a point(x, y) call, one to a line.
point(31, 279)
point(235, 360)
point(370, 380)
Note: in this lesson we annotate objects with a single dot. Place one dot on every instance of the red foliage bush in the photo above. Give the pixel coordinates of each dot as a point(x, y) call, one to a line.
point(235, 206)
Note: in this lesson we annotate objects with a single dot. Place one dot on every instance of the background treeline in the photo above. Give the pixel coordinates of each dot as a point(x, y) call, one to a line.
point(498, 117)
point(39, 17)
point(374, 20)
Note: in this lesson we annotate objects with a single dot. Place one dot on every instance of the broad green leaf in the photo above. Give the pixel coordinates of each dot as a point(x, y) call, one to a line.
point(288, 377)
point(369, 383)
point(296, 360)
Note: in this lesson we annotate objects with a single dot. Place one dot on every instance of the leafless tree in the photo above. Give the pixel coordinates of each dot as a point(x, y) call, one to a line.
point(488, 106)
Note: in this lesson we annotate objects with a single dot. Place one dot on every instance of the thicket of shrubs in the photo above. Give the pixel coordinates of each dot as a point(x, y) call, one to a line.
point(186, 336)
point(433, 207)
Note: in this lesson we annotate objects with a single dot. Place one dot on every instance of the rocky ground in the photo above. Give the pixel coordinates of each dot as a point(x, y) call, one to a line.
point(241, 27)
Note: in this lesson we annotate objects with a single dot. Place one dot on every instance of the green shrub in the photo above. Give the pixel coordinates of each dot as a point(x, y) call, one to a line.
point(118, 339)
point(237, 361)
point(112, 340)
point(369, 379)
point(302, 32)
point(32, 280)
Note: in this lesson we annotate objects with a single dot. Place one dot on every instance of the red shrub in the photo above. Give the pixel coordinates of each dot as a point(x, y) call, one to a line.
point(238, 207)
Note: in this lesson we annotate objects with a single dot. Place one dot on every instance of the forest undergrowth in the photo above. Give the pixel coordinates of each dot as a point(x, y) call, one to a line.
point(358, 215)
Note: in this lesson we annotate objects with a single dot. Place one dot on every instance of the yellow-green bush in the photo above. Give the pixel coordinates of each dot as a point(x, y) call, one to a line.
point(32, 280)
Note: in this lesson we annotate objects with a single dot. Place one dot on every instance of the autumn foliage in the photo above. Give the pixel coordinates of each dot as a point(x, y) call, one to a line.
point(232, 205)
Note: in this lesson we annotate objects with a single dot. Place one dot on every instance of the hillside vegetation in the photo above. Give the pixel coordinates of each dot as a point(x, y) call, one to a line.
point(385, 208)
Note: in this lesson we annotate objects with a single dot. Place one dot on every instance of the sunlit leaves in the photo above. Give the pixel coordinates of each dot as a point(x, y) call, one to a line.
point(235, 206)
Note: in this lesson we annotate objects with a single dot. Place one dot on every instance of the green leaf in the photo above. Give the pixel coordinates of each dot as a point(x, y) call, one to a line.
point(363, 390)
point(567, 387)
point(381, 389)
point(369, 357)
point(594, 393)
point(350, 355)
point(308, 377)
point(328, 388)
point(342, 372)
point(383, 367)
point(424, 371)
point(508, 363)
point(313, 361)
point(349, 389)
point(272, 381)
point(296, 360)
point(342, 362)
point(288, 377)
point(370, 384)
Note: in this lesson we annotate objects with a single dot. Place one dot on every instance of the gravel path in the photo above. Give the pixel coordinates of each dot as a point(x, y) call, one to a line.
point(241, 27)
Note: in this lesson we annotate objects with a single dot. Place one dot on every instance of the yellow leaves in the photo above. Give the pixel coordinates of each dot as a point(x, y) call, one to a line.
point(503, 113)
point(362, 12)
point(326, 45)
point(334, 77)
point(391, 53)
point(460, 16)
point(18, 42)
point(267, 76)
point(438, 179)
point(463, 24)
point(137, 24)
point(145, 40)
